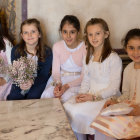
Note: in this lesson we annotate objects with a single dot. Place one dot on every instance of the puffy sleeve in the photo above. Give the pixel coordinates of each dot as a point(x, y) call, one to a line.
point(86, 78)
point(113, 87)
point(56, 65)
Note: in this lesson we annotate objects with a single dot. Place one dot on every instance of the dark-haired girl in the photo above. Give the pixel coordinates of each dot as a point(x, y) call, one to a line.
point(67, 61)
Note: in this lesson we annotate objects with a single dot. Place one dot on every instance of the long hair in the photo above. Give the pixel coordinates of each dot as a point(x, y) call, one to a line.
point(40, 48)
point(3, 34)
point(107, 49)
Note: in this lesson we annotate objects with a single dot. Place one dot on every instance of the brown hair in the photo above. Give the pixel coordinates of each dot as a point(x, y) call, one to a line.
point(107, 49)
point(41, 47)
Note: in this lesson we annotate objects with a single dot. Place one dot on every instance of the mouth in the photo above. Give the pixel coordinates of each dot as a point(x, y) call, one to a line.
point(30, 39)
point(136, 57)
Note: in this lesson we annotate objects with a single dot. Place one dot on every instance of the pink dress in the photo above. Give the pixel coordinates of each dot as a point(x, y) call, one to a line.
point(6, 56)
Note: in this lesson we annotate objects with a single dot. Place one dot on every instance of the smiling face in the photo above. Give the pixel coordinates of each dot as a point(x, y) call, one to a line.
point(133, 49)
point(96, 36)
point(30, 35)
point(70, 35)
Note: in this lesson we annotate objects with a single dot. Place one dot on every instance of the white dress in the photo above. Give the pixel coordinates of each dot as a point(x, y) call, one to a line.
point(6, 55)
point(100, 79)
point(68, 66)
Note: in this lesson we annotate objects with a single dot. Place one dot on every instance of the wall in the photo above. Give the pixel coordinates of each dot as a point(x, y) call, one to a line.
point(121, 15)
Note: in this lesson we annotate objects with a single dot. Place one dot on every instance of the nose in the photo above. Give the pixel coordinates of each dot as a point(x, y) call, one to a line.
point(30, 34)
point(68, 35)
point(93, 37)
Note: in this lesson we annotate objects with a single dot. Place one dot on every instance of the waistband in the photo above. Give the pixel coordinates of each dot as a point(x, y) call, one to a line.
point(66, 73)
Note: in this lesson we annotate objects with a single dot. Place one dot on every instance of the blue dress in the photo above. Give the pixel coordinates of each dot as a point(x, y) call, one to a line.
point(43, 74)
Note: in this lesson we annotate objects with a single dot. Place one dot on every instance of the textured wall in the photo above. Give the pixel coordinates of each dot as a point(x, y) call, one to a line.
point(121, 15)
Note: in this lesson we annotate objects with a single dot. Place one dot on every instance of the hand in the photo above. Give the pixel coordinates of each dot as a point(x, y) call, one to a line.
point(57, 90)
point(109, 102)
point(27, 85)
point(84, 97)
point(2, 81)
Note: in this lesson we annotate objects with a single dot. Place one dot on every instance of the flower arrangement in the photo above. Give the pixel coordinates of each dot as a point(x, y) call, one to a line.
point(22, 70)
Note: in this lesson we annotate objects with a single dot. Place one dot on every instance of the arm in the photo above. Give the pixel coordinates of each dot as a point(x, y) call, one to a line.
point(8, 50)
point(115, 78)
point(86, 79)
point(43, 75)
point(8, 56)
point(56, 66)
point(125, 86)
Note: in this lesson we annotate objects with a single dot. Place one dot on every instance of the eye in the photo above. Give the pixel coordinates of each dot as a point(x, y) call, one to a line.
point(64, 31)
point(73, 32)
point(130, 47)
point(25, 33)
point(89, 35)
point(98, 33)
point(33, 31)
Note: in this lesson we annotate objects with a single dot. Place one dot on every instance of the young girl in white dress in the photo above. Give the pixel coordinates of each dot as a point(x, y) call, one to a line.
point(5, 56)
point(67, 62)
point(102, 76)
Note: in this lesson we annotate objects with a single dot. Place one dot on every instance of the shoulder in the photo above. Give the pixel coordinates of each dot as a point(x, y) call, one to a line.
point(129, 67)
point(58, 45)
point(115, 57)
point(7, 43)
point(48, 50)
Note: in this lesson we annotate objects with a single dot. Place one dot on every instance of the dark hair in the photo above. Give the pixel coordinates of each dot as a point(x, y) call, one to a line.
point(133, 33)
point(71, 19)
point(41, 49)
point(107, 49)
point(3, 34)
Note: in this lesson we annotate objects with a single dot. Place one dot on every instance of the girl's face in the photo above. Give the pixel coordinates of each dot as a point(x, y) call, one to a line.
point(133, 49)
point(96, 36)
point(69, 35)
point(30, 35)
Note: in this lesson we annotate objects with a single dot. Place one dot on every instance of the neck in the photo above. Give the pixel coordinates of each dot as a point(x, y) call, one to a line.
point(137, 65)
point(74, 45)
point(31, 50)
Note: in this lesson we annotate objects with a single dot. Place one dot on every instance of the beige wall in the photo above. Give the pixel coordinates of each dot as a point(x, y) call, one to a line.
point(121, 15)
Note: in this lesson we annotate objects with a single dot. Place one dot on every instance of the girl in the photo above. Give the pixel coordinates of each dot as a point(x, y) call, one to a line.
point(5, 56)
point(67, 61)
point(102, 76)
point(32, 46)
point(131, 82)
point(131, 75)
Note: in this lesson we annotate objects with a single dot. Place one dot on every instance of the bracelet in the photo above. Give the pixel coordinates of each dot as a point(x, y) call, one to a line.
point(55, 83)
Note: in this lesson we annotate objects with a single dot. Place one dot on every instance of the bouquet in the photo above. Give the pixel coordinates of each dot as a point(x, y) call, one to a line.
point(22, 70)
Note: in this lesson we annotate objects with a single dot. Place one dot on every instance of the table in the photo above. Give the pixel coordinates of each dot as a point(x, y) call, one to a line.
point(41, 119)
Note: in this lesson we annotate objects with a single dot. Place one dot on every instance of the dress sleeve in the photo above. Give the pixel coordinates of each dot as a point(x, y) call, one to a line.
point(115, 78)
point(56, 65)
point(86, 79)
point(125, 86)
point(8, 50)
